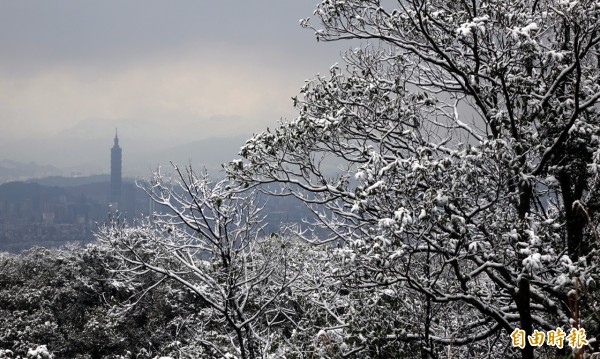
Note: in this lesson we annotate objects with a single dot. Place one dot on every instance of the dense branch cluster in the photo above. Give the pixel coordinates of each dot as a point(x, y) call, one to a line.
point(208, 242)
point(467, 139)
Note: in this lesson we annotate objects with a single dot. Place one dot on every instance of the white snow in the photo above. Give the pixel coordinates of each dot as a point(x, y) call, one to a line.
point(41, 352)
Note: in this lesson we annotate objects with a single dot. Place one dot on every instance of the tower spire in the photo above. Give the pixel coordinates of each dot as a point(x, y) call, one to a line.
point(115, 171)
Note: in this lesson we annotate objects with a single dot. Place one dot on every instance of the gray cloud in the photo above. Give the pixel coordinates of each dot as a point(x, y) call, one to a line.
point(113, 32)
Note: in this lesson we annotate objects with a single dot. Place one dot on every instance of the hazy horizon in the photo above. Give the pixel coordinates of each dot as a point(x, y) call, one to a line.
point(165, 74)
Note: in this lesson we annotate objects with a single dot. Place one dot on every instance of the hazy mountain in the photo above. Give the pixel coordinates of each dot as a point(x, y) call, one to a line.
point(60, 181)
point(14, 170)
point(209, 153)
point(84, 149)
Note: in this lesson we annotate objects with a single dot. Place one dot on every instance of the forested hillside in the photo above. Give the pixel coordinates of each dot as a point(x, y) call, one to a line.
point(66, 301)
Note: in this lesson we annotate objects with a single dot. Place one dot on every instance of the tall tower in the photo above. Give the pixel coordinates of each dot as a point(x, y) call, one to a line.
point(115, 171)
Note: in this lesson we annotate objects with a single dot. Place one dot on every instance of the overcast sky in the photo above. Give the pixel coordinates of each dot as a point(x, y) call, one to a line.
point(177, 69)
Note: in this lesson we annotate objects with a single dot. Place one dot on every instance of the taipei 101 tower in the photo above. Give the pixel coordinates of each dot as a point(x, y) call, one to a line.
point(115, 172)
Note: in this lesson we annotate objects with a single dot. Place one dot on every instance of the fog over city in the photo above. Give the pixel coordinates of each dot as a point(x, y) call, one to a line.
point(180, 80)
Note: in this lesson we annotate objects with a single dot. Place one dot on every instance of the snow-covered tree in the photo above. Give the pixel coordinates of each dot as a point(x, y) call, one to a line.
point(207, 237)
point(466, 137)
point(63, 300)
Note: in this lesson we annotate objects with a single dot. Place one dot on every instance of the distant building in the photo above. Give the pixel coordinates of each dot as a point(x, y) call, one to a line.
point(115, 172)
point(48, 218)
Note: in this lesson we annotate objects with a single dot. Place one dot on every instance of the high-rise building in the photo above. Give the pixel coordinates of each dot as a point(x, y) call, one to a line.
point(115, 171)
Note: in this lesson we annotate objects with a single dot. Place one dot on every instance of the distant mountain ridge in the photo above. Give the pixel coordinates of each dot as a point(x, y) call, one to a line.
point(84, 157)
point(60, 181)
point(14, 170)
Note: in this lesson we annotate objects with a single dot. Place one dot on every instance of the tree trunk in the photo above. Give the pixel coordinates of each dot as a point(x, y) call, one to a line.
point(522, 300)
point(575, 219)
